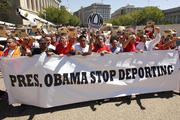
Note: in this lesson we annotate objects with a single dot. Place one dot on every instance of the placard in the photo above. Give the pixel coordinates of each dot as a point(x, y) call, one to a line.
point(2, 31)
point(95, 20)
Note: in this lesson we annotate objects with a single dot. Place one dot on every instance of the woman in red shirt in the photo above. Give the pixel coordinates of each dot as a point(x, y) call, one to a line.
point(129, 44)
point(65, 46)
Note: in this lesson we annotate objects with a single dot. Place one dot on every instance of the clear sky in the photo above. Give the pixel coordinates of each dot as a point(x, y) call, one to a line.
point(75, 5)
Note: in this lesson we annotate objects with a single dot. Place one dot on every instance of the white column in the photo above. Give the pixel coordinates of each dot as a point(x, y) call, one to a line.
point(43, 4)
point(49, 3)
point(37, 6)
point(40, 5)
point(54, 3)
point(45, 1)
point(25, 4)
point(32, 5)
point(29, 5)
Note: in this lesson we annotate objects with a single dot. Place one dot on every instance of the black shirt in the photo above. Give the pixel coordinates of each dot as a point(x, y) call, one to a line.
point(36, 51)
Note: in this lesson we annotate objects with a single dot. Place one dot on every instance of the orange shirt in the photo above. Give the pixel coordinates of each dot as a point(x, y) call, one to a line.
point(1, 53)
point(16, 53)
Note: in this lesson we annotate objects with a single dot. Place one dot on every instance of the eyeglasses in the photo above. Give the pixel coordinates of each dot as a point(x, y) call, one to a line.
point(42, 43)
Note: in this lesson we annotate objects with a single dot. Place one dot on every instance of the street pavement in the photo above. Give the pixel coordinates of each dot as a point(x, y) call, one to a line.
point(157, 106)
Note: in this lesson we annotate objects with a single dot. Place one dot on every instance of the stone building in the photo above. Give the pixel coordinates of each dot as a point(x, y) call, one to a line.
point(31, 6)
point(124, 10)
point(172, 15)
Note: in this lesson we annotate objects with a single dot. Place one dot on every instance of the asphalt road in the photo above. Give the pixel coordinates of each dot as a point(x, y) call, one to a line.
point(159, 106)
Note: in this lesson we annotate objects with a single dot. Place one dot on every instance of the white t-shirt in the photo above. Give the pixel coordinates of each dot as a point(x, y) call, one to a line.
point(35, 44)
point(140, 46)
point(51, 47)
point(77, 48)
point(149, 44)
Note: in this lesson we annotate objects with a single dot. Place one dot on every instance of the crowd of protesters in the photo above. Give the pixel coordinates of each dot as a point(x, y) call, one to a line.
point(90, 42)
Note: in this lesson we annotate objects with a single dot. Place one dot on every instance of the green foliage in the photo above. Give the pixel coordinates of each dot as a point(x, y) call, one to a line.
point(5, 5)
point(60, 16)
point(140, 17)
point(107, 21)
point(74, 21)
point(167, 22)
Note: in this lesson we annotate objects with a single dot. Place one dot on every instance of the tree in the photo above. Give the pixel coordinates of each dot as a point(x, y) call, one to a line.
point(151, 13)
point(59, 16)
point(74, 21)
point(4, 9)
point(166, 22)
point(140, 17)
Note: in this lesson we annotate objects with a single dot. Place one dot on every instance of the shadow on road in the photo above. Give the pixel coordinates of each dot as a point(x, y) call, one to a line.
point(167, 95)
point(23, 110)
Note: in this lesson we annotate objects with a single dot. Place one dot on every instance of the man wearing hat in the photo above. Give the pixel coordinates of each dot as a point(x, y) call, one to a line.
point(169, 41)
point(174, 34)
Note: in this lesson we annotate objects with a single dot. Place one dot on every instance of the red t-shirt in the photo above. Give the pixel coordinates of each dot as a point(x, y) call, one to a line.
point(130, 48)
point(20, 42)
point(55, 44)
point(64, 50)
point(27, 46)
point(161, 47)
point(101, 49)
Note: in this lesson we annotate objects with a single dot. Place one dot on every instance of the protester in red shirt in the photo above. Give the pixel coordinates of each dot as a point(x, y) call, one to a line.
point(100, 47)
point(65, 46)
point(168, 43)
point(150, 31)
point(28, 42)
point(129, 44)
point(54, 41)
point(25, 42)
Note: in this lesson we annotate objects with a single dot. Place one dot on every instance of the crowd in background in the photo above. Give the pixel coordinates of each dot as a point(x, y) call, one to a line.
point(86, 41)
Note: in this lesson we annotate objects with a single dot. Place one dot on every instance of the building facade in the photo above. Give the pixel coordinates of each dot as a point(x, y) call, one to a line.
point(124, 10)
point(102, 9)
point(172, 15)
point(32, 6)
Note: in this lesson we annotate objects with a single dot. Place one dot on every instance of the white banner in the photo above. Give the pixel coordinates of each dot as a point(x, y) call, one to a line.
point(53, 81)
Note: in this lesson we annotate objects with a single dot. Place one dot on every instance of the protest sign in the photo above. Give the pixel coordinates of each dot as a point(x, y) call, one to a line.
point(34, 29)
point(72, 32)
point(95, 20)
point(63, 30)
point(53, 81)
point(2, 31)
point(21, 33)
